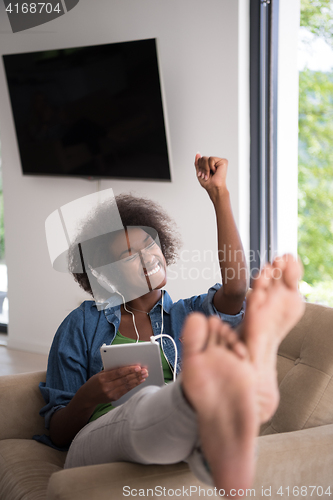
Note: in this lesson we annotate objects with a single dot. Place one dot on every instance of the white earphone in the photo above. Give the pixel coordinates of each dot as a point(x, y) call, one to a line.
point(105, 283)
point(102, 280)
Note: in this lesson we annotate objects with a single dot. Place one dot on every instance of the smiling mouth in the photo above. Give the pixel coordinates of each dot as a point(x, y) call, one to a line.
point(153, 271)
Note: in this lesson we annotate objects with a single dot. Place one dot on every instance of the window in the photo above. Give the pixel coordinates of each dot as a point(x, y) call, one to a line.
point(315, 179)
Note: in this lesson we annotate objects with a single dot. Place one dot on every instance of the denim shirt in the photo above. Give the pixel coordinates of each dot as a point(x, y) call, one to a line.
point(75, 352)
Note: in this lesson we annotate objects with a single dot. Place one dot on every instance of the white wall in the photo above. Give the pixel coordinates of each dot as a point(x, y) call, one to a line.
point(287, 133)
point(203, 50)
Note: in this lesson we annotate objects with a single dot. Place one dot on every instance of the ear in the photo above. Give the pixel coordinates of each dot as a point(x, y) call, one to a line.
point(105, 283)
point(102, 281)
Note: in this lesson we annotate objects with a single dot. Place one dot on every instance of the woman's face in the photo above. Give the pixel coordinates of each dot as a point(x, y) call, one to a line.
point(141, 265)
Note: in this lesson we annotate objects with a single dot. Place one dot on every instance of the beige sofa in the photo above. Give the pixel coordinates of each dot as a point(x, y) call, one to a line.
point(295, 448)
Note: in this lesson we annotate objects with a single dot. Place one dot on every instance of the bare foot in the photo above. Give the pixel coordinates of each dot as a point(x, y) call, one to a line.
point(221, 383)
point(273, 308)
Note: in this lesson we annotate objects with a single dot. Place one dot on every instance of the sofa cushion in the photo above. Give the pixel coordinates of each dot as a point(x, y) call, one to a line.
point(26, 467)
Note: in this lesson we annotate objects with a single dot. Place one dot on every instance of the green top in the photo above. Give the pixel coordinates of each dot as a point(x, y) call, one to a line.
point(103, 408)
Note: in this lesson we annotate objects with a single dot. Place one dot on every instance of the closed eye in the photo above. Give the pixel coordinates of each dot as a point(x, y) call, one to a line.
point(149, 247)
point(130, 258)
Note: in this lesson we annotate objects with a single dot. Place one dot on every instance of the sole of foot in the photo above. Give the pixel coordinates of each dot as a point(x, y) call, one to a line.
point(220, 383)
point(273, 308)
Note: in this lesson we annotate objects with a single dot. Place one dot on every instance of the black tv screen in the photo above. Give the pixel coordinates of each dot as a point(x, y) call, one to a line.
point(93, 112)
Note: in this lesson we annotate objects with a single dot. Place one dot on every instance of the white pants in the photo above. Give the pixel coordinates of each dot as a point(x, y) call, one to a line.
point(155, 426)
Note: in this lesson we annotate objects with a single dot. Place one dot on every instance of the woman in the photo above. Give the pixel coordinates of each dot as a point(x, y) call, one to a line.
point(76, 390)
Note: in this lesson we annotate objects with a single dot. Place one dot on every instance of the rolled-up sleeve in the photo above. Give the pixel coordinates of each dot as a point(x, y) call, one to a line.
point(209, 309)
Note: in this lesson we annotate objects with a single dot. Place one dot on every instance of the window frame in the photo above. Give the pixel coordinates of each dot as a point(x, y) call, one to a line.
point(264, 28)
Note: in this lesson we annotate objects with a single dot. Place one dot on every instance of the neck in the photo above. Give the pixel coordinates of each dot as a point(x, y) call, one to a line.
point(146, 302)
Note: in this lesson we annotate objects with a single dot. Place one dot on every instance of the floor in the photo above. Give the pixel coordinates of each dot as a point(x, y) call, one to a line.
point(13, 361)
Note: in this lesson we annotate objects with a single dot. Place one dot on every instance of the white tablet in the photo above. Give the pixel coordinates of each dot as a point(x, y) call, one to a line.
point(146, 354)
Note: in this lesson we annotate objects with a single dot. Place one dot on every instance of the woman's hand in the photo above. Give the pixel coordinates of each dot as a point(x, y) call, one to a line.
point(211, 171)
point(109, 385)
point(104, 387)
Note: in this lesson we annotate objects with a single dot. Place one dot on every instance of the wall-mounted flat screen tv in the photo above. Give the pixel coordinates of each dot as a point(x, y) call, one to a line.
point(93, 112)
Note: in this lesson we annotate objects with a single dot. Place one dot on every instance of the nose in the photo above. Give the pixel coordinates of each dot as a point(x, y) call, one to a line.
point(148, 255)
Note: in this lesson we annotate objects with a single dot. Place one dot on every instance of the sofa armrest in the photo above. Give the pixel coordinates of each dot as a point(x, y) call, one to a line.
point(20, 404)
point(294, 459)
point(299, 458)
point(118, 480)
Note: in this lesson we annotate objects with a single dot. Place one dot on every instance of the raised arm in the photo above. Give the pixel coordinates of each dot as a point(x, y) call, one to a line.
point(212, 173)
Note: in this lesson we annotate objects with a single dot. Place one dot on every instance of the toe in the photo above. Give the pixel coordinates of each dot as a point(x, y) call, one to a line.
point(293, 271)
point(278, 268)
point(195, 334)
point(240, 349)
point(235, 344)
point(260, 285)
point(217, 331)
point(263, 278)
point(289, 269)
point(231, 336)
